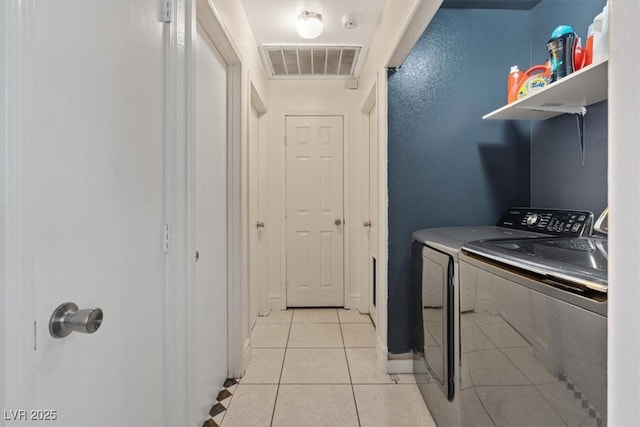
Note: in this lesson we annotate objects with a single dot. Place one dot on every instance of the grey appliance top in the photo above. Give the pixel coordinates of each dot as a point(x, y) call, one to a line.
point(515, 223)
point(579, 261)
point(451, 239)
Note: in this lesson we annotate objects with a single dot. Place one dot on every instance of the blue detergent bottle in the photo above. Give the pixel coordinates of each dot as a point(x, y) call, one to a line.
point(561, 47)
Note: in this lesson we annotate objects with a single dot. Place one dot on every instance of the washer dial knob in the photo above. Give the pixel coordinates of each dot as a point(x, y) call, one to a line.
point(533, 219)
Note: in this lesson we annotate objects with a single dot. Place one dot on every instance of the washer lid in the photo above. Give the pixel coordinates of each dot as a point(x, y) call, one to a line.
point(578, 260)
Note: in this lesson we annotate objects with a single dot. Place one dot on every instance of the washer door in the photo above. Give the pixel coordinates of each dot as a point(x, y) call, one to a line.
point(434, 272)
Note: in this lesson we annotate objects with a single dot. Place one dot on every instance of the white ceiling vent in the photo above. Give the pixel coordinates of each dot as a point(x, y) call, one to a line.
point(310, 61)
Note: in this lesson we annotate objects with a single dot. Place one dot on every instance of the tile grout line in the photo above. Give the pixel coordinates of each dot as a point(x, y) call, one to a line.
point(353, 392)
point(284, 357)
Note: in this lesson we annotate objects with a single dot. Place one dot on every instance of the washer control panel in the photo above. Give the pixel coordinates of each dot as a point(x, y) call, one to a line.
point(548, 221)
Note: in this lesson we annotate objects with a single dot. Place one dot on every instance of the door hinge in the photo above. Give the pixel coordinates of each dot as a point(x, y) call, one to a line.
point(166, 10)
point(166, 238)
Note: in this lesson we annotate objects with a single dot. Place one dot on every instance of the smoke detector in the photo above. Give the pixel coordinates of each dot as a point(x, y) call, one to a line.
point(350, 22)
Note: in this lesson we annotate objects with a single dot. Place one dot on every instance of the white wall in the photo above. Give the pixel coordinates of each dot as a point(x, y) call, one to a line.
point(236, 27)
point(402, 23)
point(624, 202)
point(323, 97)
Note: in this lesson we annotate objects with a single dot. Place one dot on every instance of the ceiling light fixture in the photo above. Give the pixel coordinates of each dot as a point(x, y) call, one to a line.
point(309, 24)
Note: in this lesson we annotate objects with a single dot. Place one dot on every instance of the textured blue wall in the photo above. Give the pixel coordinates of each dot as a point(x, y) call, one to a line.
point(447, 166)
point(558, 179)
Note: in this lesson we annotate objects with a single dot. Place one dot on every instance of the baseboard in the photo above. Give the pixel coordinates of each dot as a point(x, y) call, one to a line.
point(383, 357)
point(400, 363)
point(394, 363)
point(246, 355)
point(275, 303)
point(353, 302)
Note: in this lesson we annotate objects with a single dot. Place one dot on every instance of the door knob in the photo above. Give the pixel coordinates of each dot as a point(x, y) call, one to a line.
point(367, 223)
point(338, 222)
point(67, 318)
point(259, 224)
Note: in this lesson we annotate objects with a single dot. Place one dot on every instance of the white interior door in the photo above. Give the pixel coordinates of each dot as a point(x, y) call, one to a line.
point(373, 211)
point(211, 222)
point(314, 210)
point(94, 208)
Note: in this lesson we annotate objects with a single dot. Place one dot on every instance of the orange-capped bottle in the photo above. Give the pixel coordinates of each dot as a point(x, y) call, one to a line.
point(513, 80)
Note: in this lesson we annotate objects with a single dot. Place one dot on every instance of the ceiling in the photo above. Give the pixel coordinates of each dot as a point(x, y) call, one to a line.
point(274, 22)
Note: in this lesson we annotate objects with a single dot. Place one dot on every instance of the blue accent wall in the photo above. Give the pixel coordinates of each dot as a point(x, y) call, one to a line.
point(447, 166)
point(558, 179)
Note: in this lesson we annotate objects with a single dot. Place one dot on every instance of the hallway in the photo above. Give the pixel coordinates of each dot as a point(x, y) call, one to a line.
point(317, 367)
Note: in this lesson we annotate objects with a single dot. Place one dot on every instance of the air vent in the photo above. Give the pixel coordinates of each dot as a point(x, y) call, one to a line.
point(311, 61)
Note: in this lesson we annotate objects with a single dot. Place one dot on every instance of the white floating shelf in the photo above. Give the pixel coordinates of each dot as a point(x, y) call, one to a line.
point(568, 95)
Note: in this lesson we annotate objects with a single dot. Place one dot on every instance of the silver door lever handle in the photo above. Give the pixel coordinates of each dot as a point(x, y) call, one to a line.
point(67, 318)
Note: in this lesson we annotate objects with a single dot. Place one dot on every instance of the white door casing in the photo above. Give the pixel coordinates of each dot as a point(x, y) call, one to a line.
point(88, 160)
point(210, 222)
point(314, 211)
point(373, 211)
point(256, 227)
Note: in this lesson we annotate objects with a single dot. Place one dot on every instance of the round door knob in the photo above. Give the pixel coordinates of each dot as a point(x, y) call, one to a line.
point(68, 318)
point(259, 224)
point(367, 223)
point(338, 222)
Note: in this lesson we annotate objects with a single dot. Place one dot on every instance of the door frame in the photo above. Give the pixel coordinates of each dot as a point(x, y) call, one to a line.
point(209, 18)
point(348, 300)
point(365, 303)
point(256, 102)
point(17, 283)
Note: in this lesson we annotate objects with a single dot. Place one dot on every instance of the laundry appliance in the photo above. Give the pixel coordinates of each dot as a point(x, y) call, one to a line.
point(482, 353)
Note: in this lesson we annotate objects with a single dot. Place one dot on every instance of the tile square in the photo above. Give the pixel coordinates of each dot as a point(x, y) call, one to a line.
point(217, 409)
point(218, 419)
point(270, 335)
point(315, 315)
point(251, 406)
point(392, 405)
point(265, 366)
point(474, 339)
point(524, 360)
point(229, 382)
point(315, 335)
point(353, 316)
point(466, 321)
point(518, 406)
point(315, 405)
point(484, 318)
point(364, 367)
point(563, 401)
point(503, 335)
point(359, 334)
point(276, 316)
point(315, 366)
point(223, 395)
point(491, 367)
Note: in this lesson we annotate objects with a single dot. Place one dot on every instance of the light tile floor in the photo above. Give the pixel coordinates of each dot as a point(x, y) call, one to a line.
point(318, 367)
